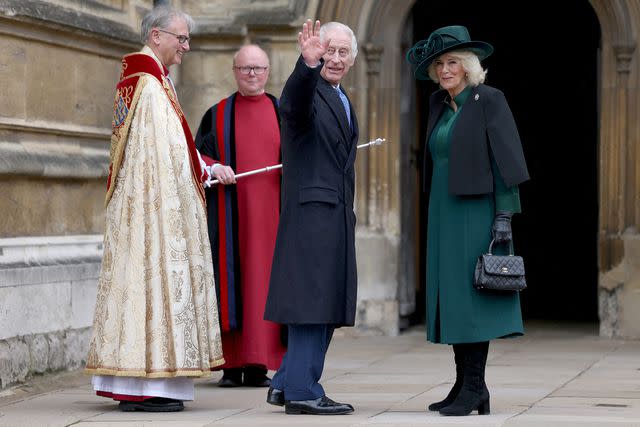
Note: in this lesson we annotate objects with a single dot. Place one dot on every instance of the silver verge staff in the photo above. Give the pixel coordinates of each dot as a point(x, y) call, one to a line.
point(209, 183)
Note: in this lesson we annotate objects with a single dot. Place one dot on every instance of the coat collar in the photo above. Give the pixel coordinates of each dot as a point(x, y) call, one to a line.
point(439, 101)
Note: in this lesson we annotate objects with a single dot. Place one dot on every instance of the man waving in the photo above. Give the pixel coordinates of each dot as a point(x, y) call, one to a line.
point(313, 277)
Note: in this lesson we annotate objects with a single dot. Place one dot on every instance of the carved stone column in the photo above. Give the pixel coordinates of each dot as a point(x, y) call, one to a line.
point(628, 216)
point(615, 185)
point(373, 175)
point(619, 241)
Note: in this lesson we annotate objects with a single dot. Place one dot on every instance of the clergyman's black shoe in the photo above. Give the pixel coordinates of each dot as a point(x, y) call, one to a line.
point(255, 377)
point(231, 378)
point(155, 404)
point(275, 397)
point(320, 406)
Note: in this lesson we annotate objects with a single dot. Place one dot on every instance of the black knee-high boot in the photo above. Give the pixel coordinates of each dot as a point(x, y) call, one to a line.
point(474, 393)
point(458, 356)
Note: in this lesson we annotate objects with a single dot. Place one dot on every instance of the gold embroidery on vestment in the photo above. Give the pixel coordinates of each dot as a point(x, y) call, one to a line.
point(156, 314)
point(119, 139)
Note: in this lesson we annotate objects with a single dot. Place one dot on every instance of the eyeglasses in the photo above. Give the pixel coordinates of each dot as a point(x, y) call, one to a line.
point(247, 69)
point(342, 52)
point(181, 39)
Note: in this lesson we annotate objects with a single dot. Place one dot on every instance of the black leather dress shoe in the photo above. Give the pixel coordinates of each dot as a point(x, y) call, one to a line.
point(255, 377)
point(320, 406)
point(228, 382)
point(231, 378)
point(275, 397)
point(263, 381)
point(155, 404)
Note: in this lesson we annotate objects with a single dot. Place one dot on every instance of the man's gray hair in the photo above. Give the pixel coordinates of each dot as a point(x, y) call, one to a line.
point(339, 26)
point(161, 17)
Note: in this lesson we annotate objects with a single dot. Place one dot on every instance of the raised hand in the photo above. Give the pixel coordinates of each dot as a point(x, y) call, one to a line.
point(311, 47)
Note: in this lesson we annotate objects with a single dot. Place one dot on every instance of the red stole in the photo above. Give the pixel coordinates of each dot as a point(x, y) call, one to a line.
point(134, 66)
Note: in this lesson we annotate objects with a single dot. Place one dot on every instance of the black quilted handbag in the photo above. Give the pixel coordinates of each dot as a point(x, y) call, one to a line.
point(500, 272)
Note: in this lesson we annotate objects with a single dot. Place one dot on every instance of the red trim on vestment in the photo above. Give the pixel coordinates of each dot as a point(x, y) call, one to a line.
point(126, 397)
point(143, 63)
point(208, 160)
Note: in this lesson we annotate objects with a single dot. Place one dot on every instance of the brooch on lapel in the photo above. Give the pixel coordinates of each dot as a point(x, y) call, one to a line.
point(476, 97)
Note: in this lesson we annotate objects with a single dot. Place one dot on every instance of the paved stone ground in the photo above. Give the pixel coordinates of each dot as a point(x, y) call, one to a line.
point(556, 375)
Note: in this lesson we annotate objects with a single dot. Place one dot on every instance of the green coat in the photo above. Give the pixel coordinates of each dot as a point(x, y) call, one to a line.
point(459, 229)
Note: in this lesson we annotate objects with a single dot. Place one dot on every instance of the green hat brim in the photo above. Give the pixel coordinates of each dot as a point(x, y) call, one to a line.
point(482, 49)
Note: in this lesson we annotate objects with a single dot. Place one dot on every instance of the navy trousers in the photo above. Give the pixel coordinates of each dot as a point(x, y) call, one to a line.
point(302, 364)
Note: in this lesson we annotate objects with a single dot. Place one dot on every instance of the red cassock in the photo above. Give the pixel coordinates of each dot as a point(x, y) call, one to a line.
point(256, 140)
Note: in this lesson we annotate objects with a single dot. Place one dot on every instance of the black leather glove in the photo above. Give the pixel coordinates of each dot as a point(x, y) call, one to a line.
point(501, 229)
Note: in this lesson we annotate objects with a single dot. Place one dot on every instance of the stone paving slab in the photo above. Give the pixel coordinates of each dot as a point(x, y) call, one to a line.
point(411, 419)
point(555, 376)
point(528, 420)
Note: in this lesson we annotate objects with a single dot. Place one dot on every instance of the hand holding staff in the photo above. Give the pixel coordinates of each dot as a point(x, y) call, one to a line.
point(377, 141)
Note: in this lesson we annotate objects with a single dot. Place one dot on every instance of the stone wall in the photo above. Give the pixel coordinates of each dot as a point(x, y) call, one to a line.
point(59, 61)
point(48, 292)
point(57, 73)
point(619, 293)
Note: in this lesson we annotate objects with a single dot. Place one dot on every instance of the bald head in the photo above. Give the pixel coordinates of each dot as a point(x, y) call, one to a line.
point(251, 70)
point(250, 51)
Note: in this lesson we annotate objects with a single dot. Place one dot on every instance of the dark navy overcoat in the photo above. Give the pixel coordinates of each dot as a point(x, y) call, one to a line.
point(313, 276)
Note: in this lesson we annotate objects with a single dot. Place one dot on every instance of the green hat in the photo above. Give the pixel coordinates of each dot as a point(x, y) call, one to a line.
point(442, 40)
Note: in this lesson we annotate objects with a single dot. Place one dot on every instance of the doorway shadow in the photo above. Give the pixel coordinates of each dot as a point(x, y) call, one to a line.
point(549, 74)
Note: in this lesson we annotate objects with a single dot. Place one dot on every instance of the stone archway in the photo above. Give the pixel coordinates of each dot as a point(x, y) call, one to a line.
point(619, 218)
point(375, 86)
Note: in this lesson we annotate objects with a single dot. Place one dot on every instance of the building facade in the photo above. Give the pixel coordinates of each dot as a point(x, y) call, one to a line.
point(59, 62)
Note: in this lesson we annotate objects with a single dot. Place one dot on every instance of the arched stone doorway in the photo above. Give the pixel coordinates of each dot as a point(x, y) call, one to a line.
point(608, 182)
point(552, 91)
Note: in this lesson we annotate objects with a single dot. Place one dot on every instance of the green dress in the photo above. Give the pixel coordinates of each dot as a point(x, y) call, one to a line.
point(459, 229)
